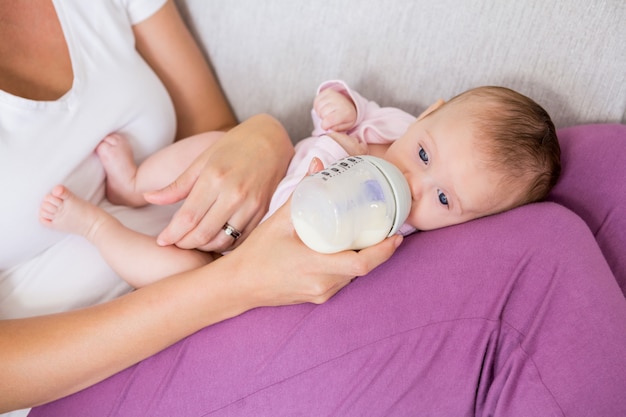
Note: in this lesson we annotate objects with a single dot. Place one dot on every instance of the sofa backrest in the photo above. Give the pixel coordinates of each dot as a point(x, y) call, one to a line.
point(270, 56)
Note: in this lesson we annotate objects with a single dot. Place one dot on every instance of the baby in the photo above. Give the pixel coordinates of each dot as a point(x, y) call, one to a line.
point(483, 152)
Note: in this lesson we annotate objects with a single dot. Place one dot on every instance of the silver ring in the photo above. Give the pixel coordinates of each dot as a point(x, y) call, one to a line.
point(231, 231)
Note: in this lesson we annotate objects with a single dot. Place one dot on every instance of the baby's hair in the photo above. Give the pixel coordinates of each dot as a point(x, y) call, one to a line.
point(521, 140)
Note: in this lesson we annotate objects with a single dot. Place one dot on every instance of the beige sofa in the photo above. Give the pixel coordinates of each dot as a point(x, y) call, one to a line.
point(570, 56)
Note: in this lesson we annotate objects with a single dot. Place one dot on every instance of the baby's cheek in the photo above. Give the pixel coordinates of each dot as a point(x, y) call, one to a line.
point(418, 218)
point(429, 217)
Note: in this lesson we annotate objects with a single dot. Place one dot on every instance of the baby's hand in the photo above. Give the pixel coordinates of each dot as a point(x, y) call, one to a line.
point(336, 111)
point(351, 144)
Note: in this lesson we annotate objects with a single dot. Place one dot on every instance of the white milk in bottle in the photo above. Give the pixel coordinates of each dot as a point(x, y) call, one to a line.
point(354, 203)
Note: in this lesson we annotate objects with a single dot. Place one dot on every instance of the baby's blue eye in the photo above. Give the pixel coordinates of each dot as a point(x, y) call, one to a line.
point(423, 155)
point(442, 198)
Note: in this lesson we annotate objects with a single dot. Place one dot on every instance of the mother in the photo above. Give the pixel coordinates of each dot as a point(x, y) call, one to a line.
point(72, 72)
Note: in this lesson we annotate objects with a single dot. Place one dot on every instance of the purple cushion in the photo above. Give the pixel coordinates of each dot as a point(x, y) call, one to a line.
point(513, 315)
point(593, 185)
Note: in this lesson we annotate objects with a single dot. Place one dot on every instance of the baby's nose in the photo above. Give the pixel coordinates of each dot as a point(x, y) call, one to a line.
point(420, 185)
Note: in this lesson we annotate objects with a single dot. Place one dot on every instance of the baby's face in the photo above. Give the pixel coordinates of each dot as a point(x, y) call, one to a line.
point(445, 170)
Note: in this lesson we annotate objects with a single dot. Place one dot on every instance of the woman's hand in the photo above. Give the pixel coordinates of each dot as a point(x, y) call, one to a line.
point(232, 182)
point(273, 267)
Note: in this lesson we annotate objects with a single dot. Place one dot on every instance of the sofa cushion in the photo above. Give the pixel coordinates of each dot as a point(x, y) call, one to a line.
point(593, 185)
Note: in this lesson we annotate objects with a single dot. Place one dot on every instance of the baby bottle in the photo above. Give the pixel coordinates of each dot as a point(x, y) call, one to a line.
point(354, 203)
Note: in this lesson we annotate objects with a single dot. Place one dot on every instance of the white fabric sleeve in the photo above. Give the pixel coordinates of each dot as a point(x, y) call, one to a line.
point(140, 10)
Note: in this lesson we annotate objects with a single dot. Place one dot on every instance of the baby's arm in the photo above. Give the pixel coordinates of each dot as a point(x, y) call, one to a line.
point(336, 111)
point(360, 121)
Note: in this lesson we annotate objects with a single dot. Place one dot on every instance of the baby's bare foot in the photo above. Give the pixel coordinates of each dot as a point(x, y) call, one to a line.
point(62, 210)
point(116, 156)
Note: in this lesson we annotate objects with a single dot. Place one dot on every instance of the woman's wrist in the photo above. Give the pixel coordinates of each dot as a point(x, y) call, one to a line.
point(270, 140)
point(212, 293)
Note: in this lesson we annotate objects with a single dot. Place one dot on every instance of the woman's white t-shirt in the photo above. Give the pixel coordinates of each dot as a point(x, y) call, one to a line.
point(44, 143)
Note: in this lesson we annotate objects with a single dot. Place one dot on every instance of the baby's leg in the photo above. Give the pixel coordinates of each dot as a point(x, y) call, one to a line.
point(116, 156)
point(133, 256)
point(126, 182)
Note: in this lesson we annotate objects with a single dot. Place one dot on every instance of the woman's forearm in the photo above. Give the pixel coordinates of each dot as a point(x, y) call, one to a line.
point(198, 99)
point(45, 358)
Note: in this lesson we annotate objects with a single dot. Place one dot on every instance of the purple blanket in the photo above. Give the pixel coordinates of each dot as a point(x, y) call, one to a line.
point(518, 314)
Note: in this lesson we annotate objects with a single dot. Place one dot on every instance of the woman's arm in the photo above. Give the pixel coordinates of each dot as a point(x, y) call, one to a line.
point(169, 48)
point(45, 358)
point(234, 180)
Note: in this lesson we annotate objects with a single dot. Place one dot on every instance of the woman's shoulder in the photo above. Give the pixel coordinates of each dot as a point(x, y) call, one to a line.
point(138, 10)
point(134, 11)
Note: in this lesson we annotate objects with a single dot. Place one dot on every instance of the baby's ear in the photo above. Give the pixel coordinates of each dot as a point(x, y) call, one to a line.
point(431, 108)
